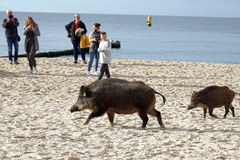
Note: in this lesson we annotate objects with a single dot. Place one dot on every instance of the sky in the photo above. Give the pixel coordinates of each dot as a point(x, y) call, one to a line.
point(200, 8)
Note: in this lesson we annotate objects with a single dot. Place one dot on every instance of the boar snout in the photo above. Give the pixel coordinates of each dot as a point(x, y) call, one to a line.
point(74, 108)
point(190, 107)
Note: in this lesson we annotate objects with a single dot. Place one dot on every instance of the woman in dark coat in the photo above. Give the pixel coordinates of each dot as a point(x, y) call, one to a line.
point(31, 31)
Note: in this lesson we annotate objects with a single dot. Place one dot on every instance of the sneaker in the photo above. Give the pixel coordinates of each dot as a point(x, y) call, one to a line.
point(84, 62)
point(30, 71)
point(34, 70)
point(10, 61)
point(95, 73)
point(88, 73)
point(75, 62)
point(16, 62)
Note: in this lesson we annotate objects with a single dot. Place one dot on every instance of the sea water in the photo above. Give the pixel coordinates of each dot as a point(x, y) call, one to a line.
point(171, 38)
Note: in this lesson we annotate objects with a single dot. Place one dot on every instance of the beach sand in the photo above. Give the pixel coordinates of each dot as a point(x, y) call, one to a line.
point(35, 122)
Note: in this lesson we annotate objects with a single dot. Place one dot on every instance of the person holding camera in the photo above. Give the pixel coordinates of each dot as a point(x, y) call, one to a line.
point(75, 39)
point(94, 39)
point(10, 24)
point(31, 30)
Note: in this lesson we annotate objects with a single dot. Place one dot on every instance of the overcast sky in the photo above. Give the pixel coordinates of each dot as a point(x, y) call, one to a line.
point(203, 8)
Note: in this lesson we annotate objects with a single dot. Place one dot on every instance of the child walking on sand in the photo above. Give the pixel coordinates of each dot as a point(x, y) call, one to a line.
point(84, 43)
point(104, 56)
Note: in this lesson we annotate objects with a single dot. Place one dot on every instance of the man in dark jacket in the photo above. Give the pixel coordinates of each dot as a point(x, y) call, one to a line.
point(10, 24)
point(71, 28)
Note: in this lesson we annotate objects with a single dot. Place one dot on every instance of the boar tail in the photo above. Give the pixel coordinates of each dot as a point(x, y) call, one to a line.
point(164, 99)
point(237, 94)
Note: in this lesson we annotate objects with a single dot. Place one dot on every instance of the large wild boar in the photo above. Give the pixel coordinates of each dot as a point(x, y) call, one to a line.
point(118, 96)
point(213, 97)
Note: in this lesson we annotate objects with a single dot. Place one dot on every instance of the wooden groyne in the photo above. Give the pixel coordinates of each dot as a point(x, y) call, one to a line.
point(115, 44)
point(52, 53)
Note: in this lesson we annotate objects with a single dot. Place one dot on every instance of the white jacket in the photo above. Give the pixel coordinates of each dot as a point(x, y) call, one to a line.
point(105, 56)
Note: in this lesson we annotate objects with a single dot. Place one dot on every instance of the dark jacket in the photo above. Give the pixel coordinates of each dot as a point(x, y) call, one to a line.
point(70, 29)
point(11, 28)
point(94, 45)
point(35, 34)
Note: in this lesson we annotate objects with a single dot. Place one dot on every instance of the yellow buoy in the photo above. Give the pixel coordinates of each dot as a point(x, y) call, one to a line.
point(149, 21)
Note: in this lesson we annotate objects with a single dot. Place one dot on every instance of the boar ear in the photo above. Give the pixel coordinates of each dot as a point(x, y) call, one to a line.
point(195, 94)
point(82, 90)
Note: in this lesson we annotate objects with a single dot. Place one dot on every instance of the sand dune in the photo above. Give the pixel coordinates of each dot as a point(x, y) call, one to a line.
point(35, 122)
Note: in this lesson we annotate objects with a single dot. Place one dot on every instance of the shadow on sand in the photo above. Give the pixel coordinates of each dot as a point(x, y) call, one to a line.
point(157, 129)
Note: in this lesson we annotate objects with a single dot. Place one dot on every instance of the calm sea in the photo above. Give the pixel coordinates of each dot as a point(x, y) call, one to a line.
point(170, 38)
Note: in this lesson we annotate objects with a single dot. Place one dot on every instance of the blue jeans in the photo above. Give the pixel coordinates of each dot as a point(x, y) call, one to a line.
point(11, 42)
point(93, 54)
point(77, 50)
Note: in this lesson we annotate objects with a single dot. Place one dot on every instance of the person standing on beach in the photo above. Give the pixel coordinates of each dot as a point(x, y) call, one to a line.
point(84, 43)
point(31, 30)
point(94, 39)
point(10, 24)
point(71, 28)
point(104, 55)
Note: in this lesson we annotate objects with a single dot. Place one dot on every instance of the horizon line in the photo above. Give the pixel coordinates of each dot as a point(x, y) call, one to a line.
point(124, 14)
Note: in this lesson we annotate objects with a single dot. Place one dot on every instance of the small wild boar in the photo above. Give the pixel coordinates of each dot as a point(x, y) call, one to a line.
point(213, 97)
point(118, 96)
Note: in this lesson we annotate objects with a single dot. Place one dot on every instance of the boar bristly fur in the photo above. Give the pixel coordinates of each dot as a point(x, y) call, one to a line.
point(213, 97)
point(118, 96)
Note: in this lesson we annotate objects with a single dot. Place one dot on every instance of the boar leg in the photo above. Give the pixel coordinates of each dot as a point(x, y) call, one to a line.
point(95, 113)
point(204, 112)
point(226, 111)
point(144, 117)
point(157, 114)
point(232, 109)
point(210, 110)
point(110, 117)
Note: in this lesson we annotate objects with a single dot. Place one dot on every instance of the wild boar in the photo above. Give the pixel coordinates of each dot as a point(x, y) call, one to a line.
point(213, 97)
point(118, 96)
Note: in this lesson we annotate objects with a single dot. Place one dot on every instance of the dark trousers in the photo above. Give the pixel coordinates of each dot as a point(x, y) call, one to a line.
point(104, 69)
point(83, 53)
point(31, 52)
point(77, 50)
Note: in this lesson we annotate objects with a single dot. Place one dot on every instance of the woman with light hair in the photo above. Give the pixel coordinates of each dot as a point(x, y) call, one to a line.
point(31, 31)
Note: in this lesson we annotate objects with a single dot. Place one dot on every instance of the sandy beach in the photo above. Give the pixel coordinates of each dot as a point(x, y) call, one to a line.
point(35, 122)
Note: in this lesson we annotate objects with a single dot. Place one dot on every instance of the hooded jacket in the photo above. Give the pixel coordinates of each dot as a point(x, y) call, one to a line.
point(105, 55)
